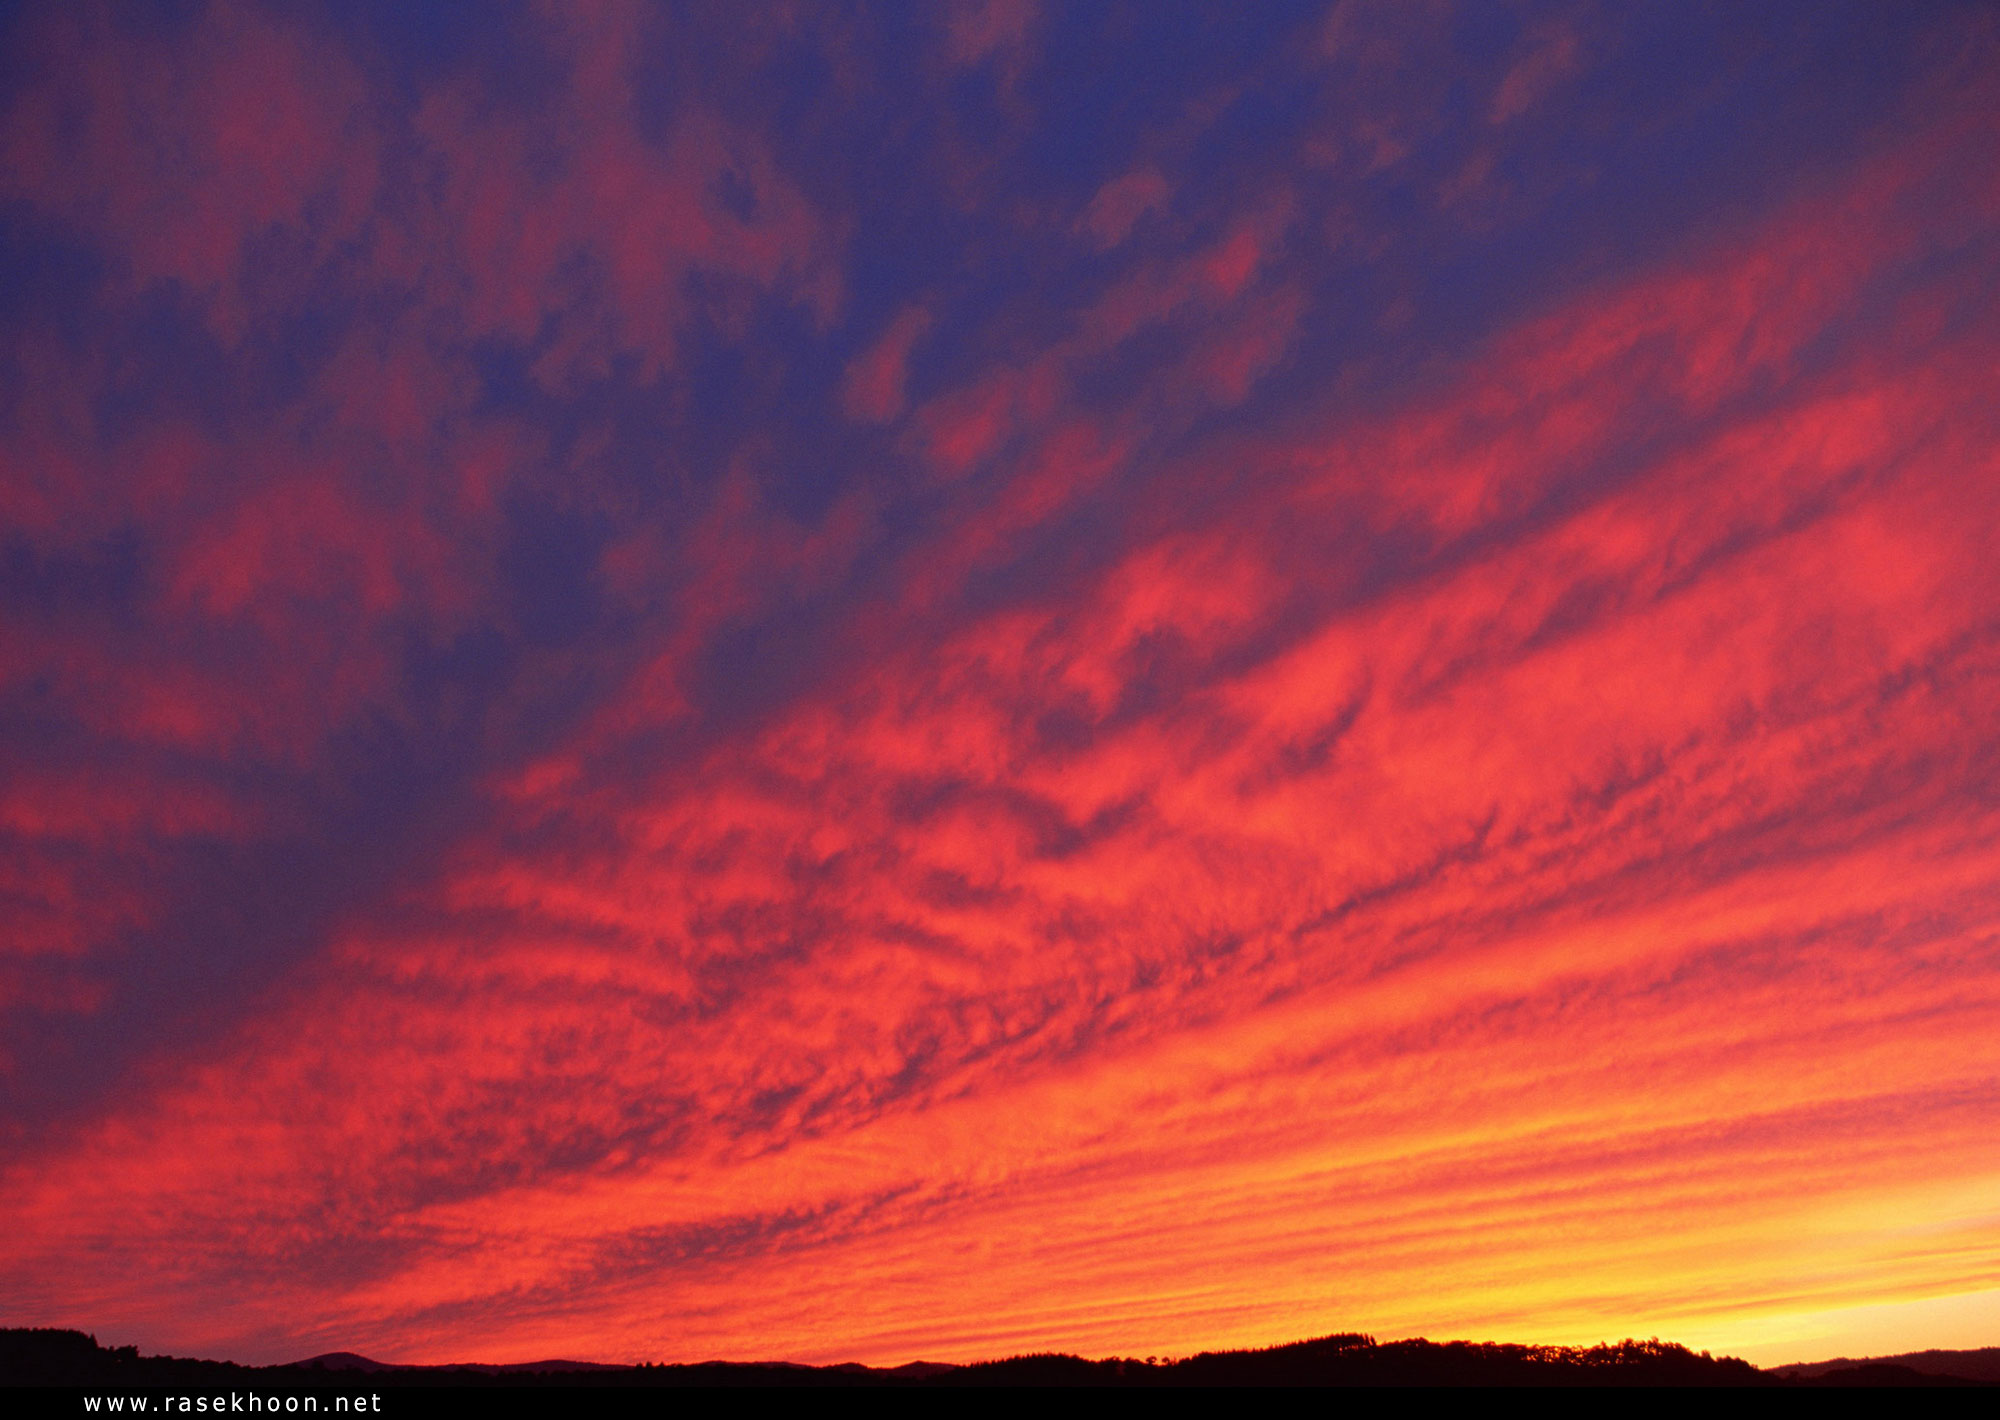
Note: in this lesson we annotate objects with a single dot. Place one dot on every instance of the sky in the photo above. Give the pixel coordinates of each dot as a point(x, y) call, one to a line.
point(865, 681)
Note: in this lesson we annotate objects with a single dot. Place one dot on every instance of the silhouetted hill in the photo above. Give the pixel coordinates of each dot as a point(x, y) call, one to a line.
point(72, 1358)
point(1355, 1360)
point(1981, 1365)
point(344, 1361)
point(1879, 1375)
point(348, 1361)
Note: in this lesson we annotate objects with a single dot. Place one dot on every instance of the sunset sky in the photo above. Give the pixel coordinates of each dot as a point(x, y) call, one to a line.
point(869, 681)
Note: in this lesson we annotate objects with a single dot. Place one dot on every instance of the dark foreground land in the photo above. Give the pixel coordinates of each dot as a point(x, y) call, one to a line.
point(54, 1358)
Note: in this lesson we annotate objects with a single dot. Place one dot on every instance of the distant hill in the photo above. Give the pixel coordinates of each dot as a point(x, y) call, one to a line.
point(348, 1361)
point(74, 1358)
point(1980, 1365)
point(344, 1361)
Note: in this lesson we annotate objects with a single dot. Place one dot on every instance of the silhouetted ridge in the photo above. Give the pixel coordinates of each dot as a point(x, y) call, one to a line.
point(1980, 1365)
point(345, 1361)
point(1353, 1359)
point(73, 1358)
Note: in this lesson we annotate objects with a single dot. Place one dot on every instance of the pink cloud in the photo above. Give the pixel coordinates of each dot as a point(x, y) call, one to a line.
point(1534, 822)
point(1120, 204)
point(976, 30)
point(873, 390)
point(180, 154)
point(1552, 56)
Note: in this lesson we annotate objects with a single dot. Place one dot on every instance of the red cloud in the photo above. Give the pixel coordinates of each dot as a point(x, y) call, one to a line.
point(1579, 878)
point(1537, 825)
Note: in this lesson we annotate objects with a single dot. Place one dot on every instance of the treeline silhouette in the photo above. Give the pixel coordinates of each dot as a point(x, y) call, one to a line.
point(50, 1357)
